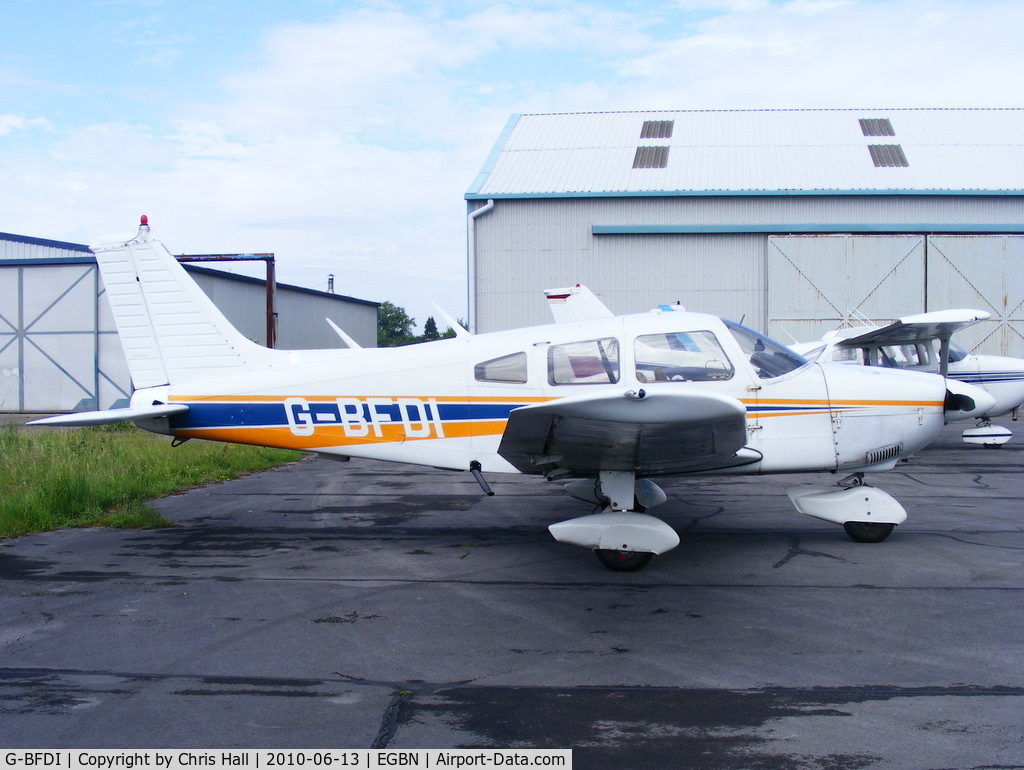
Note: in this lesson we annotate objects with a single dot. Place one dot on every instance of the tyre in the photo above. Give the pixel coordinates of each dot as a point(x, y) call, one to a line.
point(623, 561)
point(868, 531)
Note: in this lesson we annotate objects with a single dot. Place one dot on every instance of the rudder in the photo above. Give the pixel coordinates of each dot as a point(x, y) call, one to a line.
point(170, 330)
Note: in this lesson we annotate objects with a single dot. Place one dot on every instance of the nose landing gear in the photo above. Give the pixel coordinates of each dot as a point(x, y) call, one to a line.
point(868, 514)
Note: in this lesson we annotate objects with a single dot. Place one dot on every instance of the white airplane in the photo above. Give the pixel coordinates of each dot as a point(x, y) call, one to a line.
point(922, 343)
point(612, 402)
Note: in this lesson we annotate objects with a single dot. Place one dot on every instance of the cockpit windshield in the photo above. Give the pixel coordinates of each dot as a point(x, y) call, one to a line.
point(769, 358)
point(956, 353)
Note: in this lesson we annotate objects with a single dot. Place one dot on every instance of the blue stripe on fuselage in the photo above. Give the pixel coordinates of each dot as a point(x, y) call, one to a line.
point(257, 414)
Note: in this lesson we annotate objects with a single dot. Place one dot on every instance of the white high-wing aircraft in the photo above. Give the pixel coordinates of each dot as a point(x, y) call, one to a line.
point(922, 343)
point(611, 402)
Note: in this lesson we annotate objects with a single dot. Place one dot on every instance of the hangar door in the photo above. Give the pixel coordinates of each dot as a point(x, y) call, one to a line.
point(817, 283)
point(59, 351)
point(984, 272)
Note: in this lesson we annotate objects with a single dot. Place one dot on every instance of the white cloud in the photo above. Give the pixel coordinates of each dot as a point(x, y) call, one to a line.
point(345, 146)
point(839, 54)
point(813, 7)
point(9, 123)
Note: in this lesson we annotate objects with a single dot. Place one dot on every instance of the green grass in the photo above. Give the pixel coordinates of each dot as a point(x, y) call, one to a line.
point(104, 476)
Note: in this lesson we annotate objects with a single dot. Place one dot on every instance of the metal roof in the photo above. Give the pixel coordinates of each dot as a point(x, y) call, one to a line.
point(88, 258)
point(25, 240)
point(758, 152)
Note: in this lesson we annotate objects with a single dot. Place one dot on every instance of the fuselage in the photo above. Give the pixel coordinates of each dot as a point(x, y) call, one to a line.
point(446, 403)
point(1002, 377)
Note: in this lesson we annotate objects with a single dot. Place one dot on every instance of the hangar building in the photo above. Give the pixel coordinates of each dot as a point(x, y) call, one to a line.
point(795, 221)
point(59, 349)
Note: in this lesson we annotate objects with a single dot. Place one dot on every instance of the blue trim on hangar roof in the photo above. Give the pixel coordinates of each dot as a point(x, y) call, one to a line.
point(492, 159)
point(473, 196)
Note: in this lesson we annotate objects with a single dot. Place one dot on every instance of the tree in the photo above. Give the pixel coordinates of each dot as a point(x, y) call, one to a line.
point(430, 331)
point(394, 327)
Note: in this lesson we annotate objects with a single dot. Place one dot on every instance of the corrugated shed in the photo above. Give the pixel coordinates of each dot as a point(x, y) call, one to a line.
point(59, 348)
point(759, 152)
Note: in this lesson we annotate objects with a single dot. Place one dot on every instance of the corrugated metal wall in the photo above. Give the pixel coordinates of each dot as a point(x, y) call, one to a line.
point(58, 346)
point(301, 323)
point(526, 245)
point(300, 314)
point(59, 349)
point(644, 271)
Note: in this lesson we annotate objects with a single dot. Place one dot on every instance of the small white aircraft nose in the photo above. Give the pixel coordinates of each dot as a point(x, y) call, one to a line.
point(966, 402)
point(882, 414)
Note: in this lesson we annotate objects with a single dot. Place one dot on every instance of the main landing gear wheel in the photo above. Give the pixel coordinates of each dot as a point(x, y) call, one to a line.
point(623, 561)
point(868, 531)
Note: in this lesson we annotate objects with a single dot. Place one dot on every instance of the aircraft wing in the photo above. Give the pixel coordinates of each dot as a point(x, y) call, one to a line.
point(650, 434)
point(109, 416)
point(939, 324)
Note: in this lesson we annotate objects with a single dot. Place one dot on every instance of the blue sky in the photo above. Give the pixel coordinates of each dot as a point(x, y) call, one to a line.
point(343, 135)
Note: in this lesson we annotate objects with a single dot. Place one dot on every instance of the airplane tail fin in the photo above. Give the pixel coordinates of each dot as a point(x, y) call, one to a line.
point(170, 330)
point(574, 304)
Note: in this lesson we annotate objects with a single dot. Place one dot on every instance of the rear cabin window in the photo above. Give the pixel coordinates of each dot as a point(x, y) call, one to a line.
point(591, 362)
point(681, 357)
point(510, 368)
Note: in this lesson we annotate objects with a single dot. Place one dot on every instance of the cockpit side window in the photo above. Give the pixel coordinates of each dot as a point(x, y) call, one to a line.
point(681, 357)
point(589, 362)
point(909, 356)
point(769, 358)
point(510, 368)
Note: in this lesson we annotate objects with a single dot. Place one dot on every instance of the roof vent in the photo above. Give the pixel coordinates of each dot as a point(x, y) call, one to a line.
point(657, 129)
point(650, 157)
point(876, 127)
point(887, 155)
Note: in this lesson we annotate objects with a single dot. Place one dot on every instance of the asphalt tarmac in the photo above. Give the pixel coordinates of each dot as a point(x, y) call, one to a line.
point(362, 605)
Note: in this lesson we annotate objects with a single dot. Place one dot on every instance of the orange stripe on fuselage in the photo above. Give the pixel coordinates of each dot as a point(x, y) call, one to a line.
point(840, 402)
point(334, 435)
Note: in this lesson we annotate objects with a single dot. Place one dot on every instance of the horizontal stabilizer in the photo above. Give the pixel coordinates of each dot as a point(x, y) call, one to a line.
point(110, 416)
